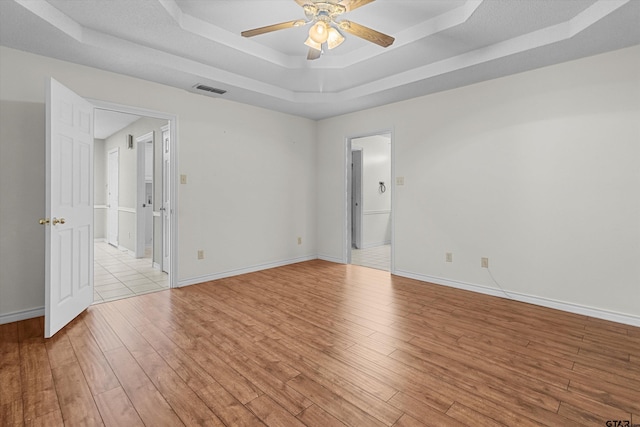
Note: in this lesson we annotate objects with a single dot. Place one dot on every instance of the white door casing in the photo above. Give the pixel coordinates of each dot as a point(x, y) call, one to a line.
point(348, 234)
point(141, 193)
point(169, 181)
point(69, 206)
point(149, 184)
point(166, 198)
point(113, 182)
point(356, 197)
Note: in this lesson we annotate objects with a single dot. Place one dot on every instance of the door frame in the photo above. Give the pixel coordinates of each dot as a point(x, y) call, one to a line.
point(110, 178)
point(165, 215)
point(141, 199)
point(347, 231)
point(173, 178)
point(356, 197)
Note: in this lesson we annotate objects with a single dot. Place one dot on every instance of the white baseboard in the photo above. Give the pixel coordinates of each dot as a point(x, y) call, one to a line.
point(375, 244)
point(99, 240)
point(627, 319)
point(244, 270)
point(331, 259)
point(127, 250)
point(530, 299)
point(17, 316)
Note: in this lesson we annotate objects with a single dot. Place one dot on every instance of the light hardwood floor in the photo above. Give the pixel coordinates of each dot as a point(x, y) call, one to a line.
point(320, 344)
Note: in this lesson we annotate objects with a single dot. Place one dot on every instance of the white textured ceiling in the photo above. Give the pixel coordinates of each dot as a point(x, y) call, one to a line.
point(440, 44)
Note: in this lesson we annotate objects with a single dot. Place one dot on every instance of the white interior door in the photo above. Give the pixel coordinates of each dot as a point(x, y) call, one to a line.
point(113, 181)
point(69, 206)
point(166, 199)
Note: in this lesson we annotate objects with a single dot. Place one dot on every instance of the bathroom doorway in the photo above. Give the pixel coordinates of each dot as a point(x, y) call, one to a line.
point(370, 201)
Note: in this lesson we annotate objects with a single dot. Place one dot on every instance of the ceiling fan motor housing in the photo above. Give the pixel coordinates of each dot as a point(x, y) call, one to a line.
point(323, 11)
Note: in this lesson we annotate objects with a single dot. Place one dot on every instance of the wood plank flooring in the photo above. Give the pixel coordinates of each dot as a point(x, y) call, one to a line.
point(320, 344)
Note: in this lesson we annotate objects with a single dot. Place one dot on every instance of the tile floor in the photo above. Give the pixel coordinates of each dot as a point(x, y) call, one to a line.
point(378, 257)
point(119, 275)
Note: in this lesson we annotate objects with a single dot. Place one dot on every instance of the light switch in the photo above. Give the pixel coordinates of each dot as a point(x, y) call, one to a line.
point(399, 180)
point(183, 179)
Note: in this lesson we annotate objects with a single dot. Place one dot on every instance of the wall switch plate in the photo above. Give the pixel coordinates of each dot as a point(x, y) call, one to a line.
point(449, 257)
point(484, 262)
point(399, 180)
point(183, 179)
point(299, 240)
point(201, 254)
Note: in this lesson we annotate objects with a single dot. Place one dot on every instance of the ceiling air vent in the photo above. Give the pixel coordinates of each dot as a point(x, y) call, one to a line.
point(210, 89)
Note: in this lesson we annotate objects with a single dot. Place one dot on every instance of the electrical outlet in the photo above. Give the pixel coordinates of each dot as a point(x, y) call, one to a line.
point(449, 257)
point(200, 254)
point(484, 262)
point(299, 240)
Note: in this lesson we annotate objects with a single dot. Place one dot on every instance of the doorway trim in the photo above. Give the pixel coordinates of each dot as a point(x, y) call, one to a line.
point(173, 178)
point(357, 217)
point(141, 200)
point(113, 204)
point(347, 232)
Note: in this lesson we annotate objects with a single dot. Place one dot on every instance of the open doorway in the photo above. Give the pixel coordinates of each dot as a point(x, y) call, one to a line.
point(370, 201)
point(129, 202)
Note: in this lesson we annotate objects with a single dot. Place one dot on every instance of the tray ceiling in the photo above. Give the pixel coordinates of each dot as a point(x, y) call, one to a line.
point(440, 44)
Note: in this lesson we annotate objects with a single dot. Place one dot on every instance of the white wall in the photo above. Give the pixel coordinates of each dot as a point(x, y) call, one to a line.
point(251, 177)
point(539, 172)
point(21, 205)
point(376, 205)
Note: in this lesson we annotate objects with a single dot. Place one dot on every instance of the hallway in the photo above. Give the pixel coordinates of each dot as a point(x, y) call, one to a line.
point(118, 275)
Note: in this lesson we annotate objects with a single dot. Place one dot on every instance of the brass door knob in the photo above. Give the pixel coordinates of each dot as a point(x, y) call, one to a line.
point(57, 221)
point(43, 221)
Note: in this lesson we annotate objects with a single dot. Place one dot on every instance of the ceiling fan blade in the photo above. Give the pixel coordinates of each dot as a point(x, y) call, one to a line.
point(274, 27)
point(313, 54)
point(354, 4)
point(366, 33)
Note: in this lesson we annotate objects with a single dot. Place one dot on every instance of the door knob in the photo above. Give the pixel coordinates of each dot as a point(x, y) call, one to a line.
point(57, 221)
point(43, 221)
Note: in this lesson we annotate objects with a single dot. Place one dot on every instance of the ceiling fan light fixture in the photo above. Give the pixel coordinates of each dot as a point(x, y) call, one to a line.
point(334, 39)
point(326, 25)
point(312, 44)
point(319, 32)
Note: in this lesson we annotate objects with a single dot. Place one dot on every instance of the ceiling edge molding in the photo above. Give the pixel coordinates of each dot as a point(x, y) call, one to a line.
point(449, 19)
point(53, 16)
point(594, 13)
point(216, 34)
point(200, 71)
point(539, 38)
point(140, 53)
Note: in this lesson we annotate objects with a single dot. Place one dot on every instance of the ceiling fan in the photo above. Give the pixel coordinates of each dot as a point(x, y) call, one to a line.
point(323, 15)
